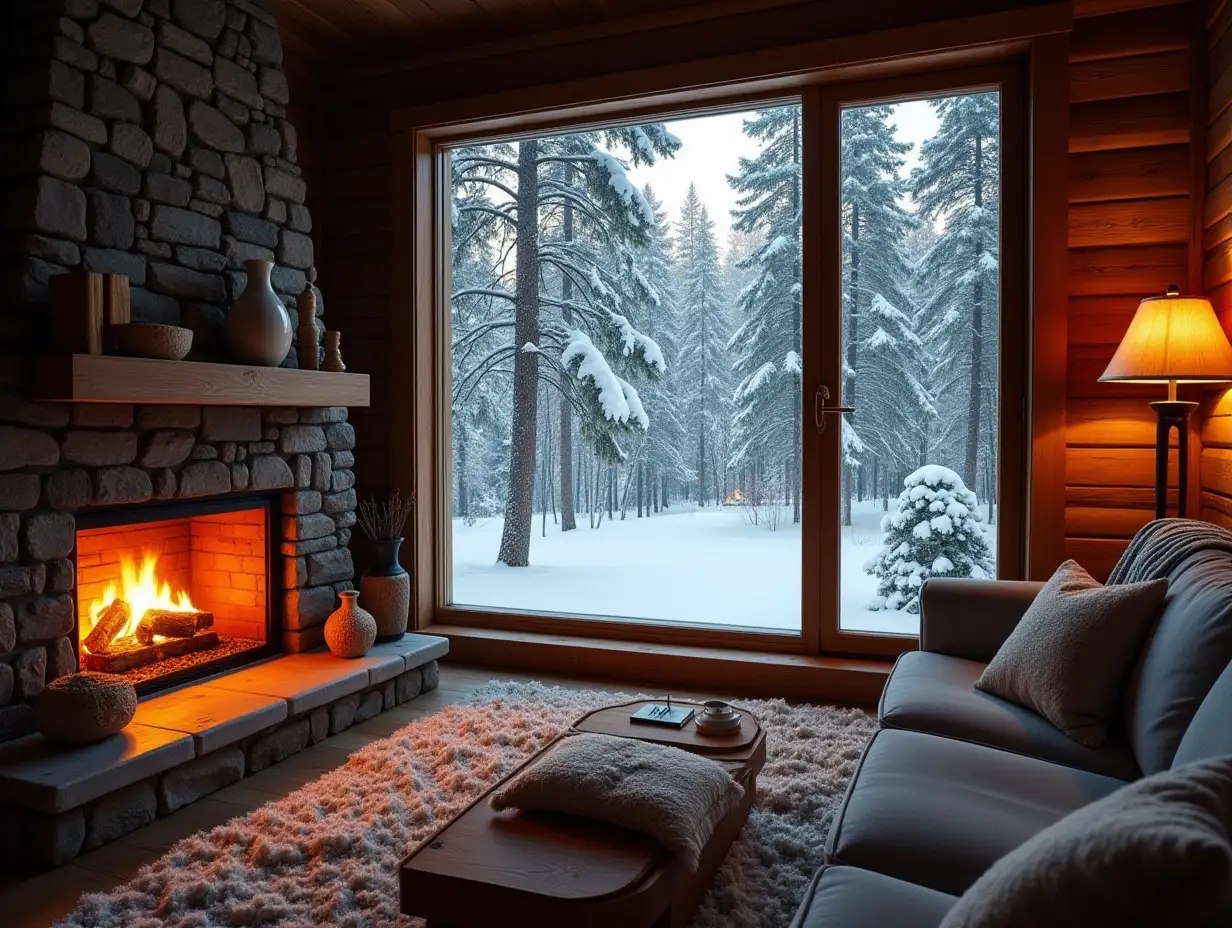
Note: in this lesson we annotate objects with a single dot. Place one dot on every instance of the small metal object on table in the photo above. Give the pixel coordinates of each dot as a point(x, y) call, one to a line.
point(486, 868)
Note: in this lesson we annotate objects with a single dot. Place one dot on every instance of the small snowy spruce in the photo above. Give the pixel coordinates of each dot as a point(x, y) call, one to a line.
point(937, 530)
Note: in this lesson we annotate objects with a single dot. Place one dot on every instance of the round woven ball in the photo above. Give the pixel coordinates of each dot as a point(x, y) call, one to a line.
point(84, 707)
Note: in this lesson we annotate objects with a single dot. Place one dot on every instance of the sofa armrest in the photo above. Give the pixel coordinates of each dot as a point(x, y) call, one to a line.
point(971, 618)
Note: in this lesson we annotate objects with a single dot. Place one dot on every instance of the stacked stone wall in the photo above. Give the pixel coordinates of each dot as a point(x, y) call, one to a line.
point(149, 138)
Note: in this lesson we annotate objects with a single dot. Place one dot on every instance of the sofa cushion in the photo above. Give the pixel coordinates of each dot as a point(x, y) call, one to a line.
point(936, 694)
point(1154, 853)
point(1210, 732)
point(848, 897)
point(1189, 647)
point(939, 812)
point(1069, 657)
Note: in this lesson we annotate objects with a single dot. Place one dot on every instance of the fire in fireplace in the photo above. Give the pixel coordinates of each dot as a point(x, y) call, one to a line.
point(168, 593)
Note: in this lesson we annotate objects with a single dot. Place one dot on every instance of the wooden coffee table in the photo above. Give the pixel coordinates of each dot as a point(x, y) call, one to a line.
point(534, 868)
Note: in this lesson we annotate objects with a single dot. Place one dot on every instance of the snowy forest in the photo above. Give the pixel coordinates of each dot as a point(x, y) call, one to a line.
point(631, 366)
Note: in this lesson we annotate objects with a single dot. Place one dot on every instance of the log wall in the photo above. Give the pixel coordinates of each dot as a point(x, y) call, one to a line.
point(1130, 218)
point(1216, 466)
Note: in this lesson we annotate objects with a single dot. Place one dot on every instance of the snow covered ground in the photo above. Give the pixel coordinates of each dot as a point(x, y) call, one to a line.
point(683, 565)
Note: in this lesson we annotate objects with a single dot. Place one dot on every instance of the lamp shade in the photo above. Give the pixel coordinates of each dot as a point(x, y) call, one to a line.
point(1173, 338)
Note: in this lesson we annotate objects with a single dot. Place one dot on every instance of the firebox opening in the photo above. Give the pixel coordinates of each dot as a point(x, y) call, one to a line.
point(169, 598)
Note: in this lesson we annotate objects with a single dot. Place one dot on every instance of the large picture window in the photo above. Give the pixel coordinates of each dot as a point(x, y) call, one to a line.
point(748, 375)
point(625, 332)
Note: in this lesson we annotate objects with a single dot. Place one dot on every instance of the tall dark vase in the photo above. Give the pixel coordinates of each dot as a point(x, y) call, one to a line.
point(386, 589)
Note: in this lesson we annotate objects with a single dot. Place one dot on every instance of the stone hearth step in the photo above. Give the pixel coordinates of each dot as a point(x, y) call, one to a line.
point(50, 778)
point(214, 717)
point(240, 721)
point(315, 678)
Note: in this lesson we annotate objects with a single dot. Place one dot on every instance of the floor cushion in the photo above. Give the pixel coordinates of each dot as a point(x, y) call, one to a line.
point(848, 897)
point(939, 812)
point(935, 694)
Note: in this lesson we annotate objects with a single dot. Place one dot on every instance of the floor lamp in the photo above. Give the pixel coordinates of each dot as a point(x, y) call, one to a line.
point(1172, 339)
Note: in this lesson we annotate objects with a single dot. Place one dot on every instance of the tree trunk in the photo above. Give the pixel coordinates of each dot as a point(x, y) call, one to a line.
point(701, 462)
point(567, 523)
point(515, 536)
point(851, 348)
point(640, 491)
point(464, 495)
point(974, 404)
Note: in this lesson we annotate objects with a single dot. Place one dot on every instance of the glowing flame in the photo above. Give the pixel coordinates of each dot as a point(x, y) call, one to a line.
point(139, 586)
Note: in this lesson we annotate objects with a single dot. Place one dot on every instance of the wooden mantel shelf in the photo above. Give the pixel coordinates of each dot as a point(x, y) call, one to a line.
point(93, 378)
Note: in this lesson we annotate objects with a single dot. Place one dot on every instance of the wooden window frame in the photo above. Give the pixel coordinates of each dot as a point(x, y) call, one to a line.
point(1009, 81)
point(420, 453)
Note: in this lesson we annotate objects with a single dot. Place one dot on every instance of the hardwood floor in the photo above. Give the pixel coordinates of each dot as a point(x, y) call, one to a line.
point(37, 900)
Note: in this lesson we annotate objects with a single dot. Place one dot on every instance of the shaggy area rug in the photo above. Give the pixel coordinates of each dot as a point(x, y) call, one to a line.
point(328, 853)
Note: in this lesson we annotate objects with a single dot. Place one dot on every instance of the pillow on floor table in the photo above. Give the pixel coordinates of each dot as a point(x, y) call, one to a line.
point(1155, 852)
point(673, 796)
point(1068, 657)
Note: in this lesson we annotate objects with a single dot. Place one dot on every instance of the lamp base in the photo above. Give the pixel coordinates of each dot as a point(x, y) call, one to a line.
point(1169, 414)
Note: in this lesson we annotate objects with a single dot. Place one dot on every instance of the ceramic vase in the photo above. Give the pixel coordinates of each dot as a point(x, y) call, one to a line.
point(350, 630)
point(258, 327)
point(387, 591)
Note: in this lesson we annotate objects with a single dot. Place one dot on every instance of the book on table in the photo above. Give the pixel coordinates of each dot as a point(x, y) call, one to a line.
point(662, 714)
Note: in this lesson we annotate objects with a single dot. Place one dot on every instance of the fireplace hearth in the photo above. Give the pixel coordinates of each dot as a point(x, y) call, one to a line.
point(168, 593)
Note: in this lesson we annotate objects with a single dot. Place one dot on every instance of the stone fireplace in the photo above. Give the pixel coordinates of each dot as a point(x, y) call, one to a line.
point(172, 593)
point(191, 538)
point(249, 510)
point(150, 138)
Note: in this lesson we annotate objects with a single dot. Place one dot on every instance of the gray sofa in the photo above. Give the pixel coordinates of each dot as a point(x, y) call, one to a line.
point(956, 778)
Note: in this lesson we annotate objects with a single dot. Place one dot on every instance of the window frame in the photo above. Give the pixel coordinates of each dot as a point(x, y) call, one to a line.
point(1013, 333)
point(420, 179)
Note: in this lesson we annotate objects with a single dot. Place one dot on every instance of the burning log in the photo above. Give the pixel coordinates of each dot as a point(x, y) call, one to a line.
point(127, 653)
point(177, 624)
point(110, 624)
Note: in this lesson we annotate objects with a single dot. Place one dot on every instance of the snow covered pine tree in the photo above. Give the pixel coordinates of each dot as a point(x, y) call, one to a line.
point(521, 190)
point(766, 344)
point(937, 530)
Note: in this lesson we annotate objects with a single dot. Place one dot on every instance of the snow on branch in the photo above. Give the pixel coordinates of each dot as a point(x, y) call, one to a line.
point(633, 340)
point(625, 189)
point(617, 398)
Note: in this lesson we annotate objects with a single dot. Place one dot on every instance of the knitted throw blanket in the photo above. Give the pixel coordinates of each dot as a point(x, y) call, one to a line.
point(1160, 546)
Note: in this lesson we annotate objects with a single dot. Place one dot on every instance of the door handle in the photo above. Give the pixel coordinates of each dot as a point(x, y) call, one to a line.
point(820, 411)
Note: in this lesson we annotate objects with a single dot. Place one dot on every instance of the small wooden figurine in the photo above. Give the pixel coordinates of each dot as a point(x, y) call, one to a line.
point(333, 354)
point(307, 335)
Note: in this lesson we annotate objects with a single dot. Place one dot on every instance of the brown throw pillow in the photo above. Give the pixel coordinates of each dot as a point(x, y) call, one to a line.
point(1155, 852)
point(673, 796)
point(1068, 657)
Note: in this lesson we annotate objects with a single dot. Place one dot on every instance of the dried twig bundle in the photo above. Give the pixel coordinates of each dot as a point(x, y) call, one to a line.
point(384, 520)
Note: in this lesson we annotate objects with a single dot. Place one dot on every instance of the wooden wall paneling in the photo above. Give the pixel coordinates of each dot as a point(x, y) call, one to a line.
point(1049, 354)
point(1214, 425)
point(1135, 270)
point(1096, 320)
point(1160, 119)
point(1141, 75)
point(1134, 227)
point(1129, 222)
point(1129, 174)
point(1131, 33)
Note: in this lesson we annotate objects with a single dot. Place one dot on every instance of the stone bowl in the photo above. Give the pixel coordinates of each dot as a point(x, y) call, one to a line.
point(153, 340)
point(84, 707)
